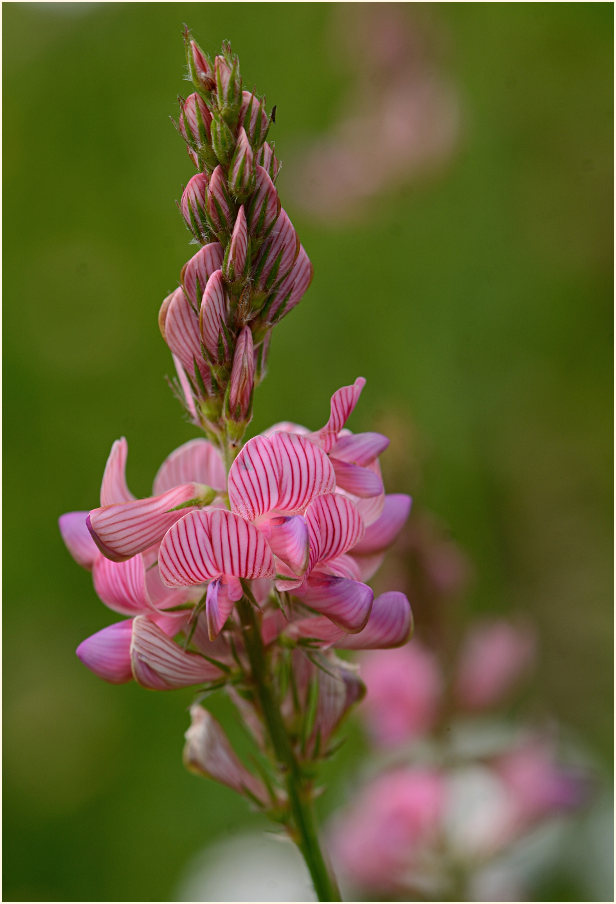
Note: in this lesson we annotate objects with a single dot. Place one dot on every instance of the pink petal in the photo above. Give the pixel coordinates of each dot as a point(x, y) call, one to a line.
point(357, 480)
point(368, 565)
point(264, 205)
point(218, 606)
point(390, 625)
point(343, 402)
point(278, 252)
point(186, 388)
point(291, 289)
point(288, 539)
point(317, 627)
point(182, 335)
point(113, 487)
point(254, 478)
point(344, 566)
point(239, 245)
point(197, 460)
point(360, 448)
point(159, 664)
point(122, 585)
point(347, 603)
point(209, 544)
point(382, 532)
point(121, 531)
point(107, 653)
point(334, 526)
point(78, 539)
point(198, 270)
point(213, 317)
point(305, 472)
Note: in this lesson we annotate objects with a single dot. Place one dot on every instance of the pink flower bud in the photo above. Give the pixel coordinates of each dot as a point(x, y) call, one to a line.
point(254, 119)
point(241, 170)
point(264, 206)
point(268, 160)
point(242, 378)
point(213, 318)
point(278, 253)
point(219, 203)
point(228, 87)
point(223, 139)
point(209, 753)
point(201, 70)
point(193, 205)
point(195, 122)
point(236, 261)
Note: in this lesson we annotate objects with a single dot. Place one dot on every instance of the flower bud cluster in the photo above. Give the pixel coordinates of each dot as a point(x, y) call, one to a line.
point(251, 269)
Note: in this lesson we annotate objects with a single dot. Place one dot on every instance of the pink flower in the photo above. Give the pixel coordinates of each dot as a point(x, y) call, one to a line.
point(495, 657)
point(404, 690)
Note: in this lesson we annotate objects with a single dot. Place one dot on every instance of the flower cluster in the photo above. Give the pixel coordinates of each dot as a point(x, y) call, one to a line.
point(248, 566)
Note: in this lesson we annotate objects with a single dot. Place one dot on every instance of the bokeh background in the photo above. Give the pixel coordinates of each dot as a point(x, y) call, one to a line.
point(475, 295)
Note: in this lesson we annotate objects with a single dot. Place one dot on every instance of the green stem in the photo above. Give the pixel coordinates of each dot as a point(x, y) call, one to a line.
point(300, 799)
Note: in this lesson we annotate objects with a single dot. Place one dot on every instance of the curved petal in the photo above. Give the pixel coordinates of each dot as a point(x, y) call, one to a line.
point(199, 269)
point(367, 565)
point(317, 627)
point(186, 389)
point(288, 539)
point(182, 336)
point(121, 531)
point(122, 585)
point(218, 606)
point(77, 537)
point(197, 460)
point(357, 480)
point(113, 487)
point(344, 566)
point(305, 472)
point(208, 544)
point(334, 526)
point(159, 664)
point(342, 404)
point(253, 479)
point(360, 448)
point(213, 317)
point(384, 530)
point(347, 603)
point(390, 625)
point(107, 653)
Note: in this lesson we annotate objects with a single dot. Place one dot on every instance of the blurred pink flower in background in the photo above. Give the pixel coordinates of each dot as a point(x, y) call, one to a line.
point(496, 655)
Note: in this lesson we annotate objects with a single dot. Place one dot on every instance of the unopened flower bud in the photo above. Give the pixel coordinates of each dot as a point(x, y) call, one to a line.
point(268, 160)
point(223, 141)
point(264, 207)
point(241, 385)
point(241, 170)
point(219, 204)
point(254, 119)
point(200, 68)
point(213, 318)
point(228, 88)
point(195, 122)
point(278, 253)
point(193, 206)
point(235, 264)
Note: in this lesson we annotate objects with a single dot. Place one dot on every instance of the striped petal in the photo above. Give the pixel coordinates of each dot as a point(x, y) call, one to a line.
point(186, 389)
point(121, 531)
point(208, 544)
point(122, 585)
point(254, 478)
point(347, 603)
point(78, 540)
point(384, 530)
point(182, 336)
point(334, 526)
point(107, 653)
point(213, 317)
point(292, 287)
point(113, 487)
point(264, 205)
point(305, 472)
point(390, 625)
point(357, 480)
point(197, 460)
point(278, 253)
point(360, 448)
point(343, 402)
point(159, 664)
point(198, 270)
point(288, 539)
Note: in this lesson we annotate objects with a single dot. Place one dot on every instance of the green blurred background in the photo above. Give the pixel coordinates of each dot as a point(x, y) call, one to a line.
point(477, 303)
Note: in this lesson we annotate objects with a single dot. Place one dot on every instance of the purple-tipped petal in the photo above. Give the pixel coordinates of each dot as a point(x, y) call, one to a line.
point(121, 531)
point(113, 487)
point(122, 585)
point(343, 402)
point(198, 270)
point(288, 539)
point(334, 526)
point(197, 460)
point(382, 532)
point(354, 479)
point(254, 478)
point(305, 472)
point(360, 448)
point(213, 317)
point(159, 664)
point(107, 653)
point(78, 539)
point(390, 625)
point(347, 603)
point(218, 606)
point(208, 544)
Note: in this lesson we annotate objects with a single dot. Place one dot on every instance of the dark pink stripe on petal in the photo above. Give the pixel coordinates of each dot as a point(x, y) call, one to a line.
point(199, 269)
point(253, 479)
point(183, 337)
point(122, 585)
point(160, 664)
point(288, 540)
point(334, 526)
point(357, 480)
point(196, 461)
point(305, 472)
point(213, 315)
point(343, 402)
point(113, 487)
